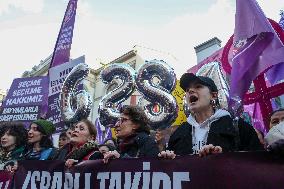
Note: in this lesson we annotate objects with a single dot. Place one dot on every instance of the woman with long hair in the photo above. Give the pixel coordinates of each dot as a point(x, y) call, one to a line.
point(40, 146)
point(13, 142)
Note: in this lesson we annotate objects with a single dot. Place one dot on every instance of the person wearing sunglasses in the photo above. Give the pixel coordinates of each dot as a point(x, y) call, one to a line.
point(132, 130)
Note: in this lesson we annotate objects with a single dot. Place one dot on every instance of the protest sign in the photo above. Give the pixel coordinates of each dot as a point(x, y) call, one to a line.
point(26, 100)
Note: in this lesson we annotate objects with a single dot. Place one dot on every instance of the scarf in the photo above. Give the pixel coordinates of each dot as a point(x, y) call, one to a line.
point(80, 152)
point(11, 155)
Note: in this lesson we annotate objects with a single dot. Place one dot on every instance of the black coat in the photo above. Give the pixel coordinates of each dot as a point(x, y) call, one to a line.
point(143, 146)
point(221, 133)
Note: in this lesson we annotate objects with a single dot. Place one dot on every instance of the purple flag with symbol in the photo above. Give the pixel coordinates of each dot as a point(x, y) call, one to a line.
point(60, 58)
point(62, 47)
point(257, 48)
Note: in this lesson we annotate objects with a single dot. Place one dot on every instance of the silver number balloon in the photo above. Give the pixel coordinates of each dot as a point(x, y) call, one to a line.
point(75, 104)
point(155, 81)
point(122, 76)
point(213, 71)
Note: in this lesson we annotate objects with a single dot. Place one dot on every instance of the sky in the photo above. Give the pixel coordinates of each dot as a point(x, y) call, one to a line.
point(105, 30)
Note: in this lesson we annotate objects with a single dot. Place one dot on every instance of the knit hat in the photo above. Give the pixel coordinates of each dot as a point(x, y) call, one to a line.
point(46, 126)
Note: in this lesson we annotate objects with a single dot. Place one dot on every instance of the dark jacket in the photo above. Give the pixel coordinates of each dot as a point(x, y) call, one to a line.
point(143, 145)
point(221, 133)
point(43, 154)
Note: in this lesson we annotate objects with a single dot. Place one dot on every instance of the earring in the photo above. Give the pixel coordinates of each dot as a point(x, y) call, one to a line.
point(213, 103)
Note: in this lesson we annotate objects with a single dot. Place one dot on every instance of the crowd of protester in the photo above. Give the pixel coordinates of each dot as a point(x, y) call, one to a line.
point(208, 130)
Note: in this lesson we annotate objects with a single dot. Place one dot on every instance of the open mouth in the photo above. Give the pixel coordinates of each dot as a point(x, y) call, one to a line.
point(30, 137)
point(193, 99)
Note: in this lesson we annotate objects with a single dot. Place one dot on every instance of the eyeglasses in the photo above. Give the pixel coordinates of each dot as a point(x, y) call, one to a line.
point(122, 119)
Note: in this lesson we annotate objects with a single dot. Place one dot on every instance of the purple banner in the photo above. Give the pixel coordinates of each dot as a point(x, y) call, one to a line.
point(63, 44)
point(231, 170)
point(26, 100)
point(5, 180)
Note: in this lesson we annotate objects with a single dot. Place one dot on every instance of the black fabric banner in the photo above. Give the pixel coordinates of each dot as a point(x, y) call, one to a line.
point(230, 170)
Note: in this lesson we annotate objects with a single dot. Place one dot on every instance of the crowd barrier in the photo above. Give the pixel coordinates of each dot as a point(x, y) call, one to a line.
point(228, 170)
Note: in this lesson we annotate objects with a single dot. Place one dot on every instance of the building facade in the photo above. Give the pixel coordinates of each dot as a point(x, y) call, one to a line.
point(206, 49)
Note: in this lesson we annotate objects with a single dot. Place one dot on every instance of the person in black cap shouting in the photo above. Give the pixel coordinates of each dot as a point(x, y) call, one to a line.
point(208, 129)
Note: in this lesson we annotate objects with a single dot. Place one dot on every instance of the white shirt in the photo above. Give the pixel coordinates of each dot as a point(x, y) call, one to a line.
point(200, 131)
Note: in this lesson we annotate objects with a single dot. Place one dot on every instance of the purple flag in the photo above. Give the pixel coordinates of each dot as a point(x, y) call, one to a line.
point(255, 113)
point(257, 47)
point(103, 132)
point(62, 47)
point(61, 55)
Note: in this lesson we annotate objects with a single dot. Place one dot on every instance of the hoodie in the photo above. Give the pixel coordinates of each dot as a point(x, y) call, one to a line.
point(200, 131)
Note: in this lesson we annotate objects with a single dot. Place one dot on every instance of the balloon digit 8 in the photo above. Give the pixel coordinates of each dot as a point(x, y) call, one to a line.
point(155, 81)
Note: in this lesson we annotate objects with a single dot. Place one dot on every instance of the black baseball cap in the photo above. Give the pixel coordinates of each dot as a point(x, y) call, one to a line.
point(188, 78)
